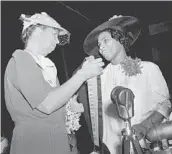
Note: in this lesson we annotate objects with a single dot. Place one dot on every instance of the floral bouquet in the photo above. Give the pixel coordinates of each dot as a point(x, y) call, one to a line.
point(72, 121)
point(72, 117)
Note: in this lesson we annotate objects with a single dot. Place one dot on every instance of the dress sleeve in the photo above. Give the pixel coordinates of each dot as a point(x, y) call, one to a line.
point(30, 80)
point(159, 89)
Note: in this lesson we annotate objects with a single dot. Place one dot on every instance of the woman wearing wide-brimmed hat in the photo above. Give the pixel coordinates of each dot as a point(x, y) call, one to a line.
point(112, 40)
point(34, 98)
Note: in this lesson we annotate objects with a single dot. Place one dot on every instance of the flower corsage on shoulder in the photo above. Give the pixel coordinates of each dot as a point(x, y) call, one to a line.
point(131, 67)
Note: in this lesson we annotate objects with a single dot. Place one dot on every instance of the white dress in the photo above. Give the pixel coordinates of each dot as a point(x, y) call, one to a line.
point(150, 90)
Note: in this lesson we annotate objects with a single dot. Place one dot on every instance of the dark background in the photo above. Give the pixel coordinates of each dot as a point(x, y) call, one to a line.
point(69, 57)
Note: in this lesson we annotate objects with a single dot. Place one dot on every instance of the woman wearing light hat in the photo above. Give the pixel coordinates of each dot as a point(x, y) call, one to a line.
point(34, 98)
point(112, 40)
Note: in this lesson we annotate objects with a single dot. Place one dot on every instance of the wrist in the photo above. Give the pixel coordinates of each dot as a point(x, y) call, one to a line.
point(81, 75)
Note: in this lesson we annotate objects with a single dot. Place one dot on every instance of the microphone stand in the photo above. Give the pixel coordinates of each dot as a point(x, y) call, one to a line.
point(130, 140)
point(124, 99)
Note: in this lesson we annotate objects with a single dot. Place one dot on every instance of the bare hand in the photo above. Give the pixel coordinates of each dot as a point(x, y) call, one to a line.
point(77, 107)
point(92, 67)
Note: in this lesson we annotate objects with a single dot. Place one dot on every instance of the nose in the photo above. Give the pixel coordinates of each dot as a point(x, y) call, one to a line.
point(56, 40)
point(101, 47)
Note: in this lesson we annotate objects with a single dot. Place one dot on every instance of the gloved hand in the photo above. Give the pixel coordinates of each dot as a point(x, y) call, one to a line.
point(142, 128)
point(140, 131)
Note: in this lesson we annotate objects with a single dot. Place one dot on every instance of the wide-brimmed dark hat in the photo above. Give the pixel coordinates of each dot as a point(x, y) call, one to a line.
point(127, 24)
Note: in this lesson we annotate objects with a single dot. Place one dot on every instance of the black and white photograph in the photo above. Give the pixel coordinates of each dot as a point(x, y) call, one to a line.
point(86, 77)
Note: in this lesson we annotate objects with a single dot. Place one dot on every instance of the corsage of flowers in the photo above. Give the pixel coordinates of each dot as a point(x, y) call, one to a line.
point(72, 118)
point(131, 67)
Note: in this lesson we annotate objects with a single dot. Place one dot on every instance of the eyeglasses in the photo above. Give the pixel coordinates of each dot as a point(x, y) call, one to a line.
point(64, 39)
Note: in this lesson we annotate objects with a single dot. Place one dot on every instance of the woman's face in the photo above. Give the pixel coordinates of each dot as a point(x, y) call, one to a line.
point(48, 39)
point(108, 46)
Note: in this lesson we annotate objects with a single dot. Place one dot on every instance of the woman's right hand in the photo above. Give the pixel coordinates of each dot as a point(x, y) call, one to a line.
point(92, 67)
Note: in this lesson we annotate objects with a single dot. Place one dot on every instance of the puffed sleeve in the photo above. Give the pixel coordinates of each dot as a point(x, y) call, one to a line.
point(30, 79)
point(159, 90)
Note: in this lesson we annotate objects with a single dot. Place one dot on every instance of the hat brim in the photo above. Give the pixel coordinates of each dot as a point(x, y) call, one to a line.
point(126, 24)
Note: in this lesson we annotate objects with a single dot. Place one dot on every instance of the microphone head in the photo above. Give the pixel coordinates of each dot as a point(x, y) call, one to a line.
point(124, 99)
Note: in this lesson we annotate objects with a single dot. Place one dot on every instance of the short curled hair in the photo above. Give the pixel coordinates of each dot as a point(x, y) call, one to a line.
point(120, 36)
point(28, 32)
point(63, 39)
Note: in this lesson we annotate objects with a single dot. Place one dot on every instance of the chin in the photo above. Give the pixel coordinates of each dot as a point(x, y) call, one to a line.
point(107, 58)
point(48, 52)
point(45, 54)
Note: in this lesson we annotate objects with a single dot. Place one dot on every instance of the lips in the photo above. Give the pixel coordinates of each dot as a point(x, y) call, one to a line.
point(105, 55)
point(104, 52)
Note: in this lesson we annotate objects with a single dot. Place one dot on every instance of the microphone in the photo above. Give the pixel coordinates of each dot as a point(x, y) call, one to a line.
point(124, 100)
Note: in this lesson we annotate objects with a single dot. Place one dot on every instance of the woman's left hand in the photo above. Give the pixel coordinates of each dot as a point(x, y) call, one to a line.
point(140, 131)
point(76, 107)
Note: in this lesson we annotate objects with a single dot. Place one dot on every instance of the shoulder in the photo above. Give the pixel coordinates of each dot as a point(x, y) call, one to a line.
point(23, 59)
point(19, 62)
point(151, 69)
point(149, 65)
point(20, 54)
point(24, 65)
point(17, 56)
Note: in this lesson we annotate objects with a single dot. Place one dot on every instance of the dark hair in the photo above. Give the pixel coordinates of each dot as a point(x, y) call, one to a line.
point(120, 36)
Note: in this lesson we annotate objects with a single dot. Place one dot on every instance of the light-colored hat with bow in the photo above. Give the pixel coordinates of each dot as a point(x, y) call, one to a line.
point(40, 18)
point(44, 19)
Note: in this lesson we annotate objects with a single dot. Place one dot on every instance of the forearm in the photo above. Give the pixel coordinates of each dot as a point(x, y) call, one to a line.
point(60, 95)
point(164, 108)
point(153, 119)
point(161, 112)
